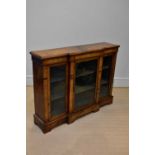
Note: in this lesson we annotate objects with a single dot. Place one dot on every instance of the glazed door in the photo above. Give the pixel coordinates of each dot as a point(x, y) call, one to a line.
point(85, 83)
point(58, 90)
point(106, 77)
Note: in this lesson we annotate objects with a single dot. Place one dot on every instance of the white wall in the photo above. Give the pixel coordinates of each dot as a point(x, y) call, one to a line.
point(59, 23)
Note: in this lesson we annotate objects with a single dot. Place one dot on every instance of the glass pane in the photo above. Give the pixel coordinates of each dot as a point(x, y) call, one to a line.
point(58, 89)
point(107, 61)
point(85, 83)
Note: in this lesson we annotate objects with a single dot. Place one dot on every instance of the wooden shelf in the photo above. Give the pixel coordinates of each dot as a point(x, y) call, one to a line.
point(60, 79)
point(81, 89)
point(84, 98)
point(85, 73)
point(104, 82)
point(59, 106)
point(56, 87)
point(104, 91)
point(59, 96)
point(106, 67)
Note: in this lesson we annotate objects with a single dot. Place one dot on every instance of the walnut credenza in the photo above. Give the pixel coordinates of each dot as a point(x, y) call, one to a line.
point(72, 82)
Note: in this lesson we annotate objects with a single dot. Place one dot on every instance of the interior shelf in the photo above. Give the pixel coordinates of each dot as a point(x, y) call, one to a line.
point(58, 90)
point(106, 67)
point(55, 98)
point(104, 90)
point(85, 73)
point(84, 98)
point(58, 79)
point(81, 89)
point(59, 106)
point(104, 82)
point(88, 72)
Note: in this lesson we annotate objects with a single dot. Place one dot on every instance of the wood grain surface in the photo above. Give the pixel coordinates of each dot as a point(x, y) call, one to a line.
point(72, 50)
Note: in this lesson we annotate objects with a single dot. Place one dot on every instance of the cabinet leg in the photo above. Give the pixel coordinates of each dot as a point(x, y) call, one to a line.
point(70, 120)
point(45, 128)
point(96, 108)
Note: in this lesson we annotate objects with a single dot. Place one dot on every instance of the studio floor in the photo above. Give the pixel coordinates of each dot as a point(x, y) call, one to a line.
point(102, 133)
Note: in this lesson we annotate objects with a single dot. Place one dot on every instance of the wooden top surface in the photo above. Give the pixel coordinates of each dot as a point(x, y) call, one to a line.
point(72, 50)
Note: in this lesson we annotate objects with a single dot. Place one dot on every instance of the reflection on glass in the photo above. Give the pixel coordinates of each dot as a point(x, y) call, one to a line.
point(85, 83)
point(58, 89)
point(107, 61)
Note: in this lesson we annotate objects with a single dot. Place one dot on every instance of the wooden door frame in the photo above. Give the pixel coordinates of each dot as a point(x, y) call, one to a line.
point(47, 91)
point(111, 76)
point(72, 85)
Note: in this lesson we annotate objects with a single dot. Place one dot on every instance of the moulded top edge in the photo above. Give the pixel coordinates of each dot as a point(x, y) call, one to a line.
point(72, 50)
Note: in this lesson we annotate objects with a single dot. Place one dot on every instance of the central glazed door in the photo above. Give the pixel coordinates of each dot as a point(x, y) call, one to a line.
point(85, 83)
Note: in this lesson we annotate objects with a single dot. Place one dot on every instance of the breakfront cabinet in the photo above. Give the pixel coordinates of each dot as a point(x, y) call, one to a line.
point(72, 82)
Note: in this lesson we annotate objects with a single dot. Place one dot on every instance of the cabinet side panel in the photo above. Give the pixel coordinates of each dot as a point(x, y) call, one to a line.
point(38, 89)
point(99, 74)
point(112, 71)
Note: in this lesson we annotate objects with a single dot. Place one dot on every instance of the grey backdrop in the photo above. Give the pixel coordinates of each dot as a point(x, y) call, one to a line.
point(59, 23)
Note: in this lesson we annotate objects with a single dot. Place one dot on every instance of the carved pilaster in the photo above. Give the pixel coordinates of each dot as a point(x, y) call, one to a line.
point(71, 83)
point(99, 74)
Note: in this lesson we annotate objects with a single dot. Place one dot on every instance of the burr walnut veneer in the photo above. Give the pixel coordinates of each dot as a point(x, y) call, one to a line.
point(72, 82)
